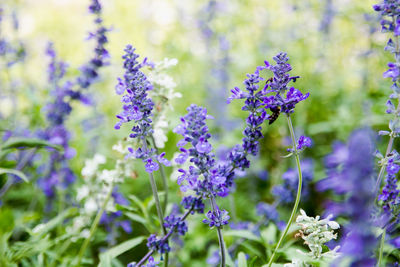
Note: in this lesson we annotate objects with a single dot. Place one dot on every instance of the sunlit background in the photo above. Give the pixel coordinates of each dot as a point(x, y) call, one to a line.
point(334, 45)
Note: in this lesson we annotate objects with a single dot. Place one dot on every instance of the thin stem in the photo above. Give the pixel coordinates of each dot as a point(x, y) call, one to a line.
point(94, 226)
point(219, 232)
point(382, 243)
point(163, 177)
point(388, 150)
point(165, 238)
point(296, 204)
point(158, 205)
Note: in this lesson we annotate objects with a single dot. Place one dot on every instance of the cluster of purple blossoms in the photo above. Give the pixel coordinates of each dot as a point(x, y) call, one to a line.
point(258, 101)
point(390, 195)
point(89, 71)
point(278, 86)
point(217, 218)
point(196, 204)
point(218, 59)
point(11, 51)
point(350, 174)
point(56, 113)
point(302, 143)
point(174, 223)
point(389, 11)
point(194, 130)
point(268, 212)
point(327, 17)
point(151, 263)
point(58, 110)
point(158, 244)
point(203, 177)
point(138, 107)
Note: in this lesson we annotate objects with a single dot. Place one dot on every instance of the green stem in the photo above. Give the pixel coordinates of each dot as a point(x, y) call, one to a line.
point(163, 177)
point(157, 202)
point(219, 232)
point(296, 204)
point(382, 243)
point(94, 226)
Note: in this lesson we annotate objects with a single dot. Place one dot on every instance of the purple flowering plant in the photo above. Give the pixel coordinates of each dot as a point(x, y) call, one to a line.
point(222, 193)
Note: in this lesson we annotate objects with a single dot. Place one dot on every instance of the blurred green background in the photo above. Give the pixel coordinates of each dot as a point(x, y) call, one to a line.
point(337, 50)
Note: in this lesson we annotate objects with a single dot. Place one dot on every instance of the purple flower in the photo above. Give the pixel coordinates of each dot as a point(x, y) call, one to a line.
point(195, 131)
point(203, 146)
point(303, 142)
point(151, 165)
point(152, 263)
point(159, 245)
point(182, 157)
point(89, 71)
point(268, 211)
point(138, 108)
point(237, 94)
point(163, 160)
point(196, 203)
point(352, 178)
point(286, 192)
point(217, 218)
point(175, 223)
point(390, 193)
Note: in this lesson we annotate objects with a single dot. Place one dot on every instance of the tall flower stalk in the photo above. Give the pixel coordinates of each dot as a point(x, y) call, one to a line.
point(163, 92)
point(350, 170)
point(277, 97)
point(63, 94)
point(299, 187)
point(138, 108)
point(389, 197)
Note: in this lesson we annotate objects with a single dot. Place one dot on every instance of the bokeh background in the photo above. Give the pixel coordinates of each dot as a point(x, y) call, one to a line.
point(334, 45)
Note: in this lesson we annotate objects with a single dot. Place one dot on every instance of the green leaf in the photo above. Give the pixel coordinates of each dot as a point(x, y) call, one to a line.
point(123, 247)
point(268, 235)
point(139, 203)
point(242, 233)
point(242, 262)
point(136, 218)
point(45, 228)
point(253, 261)
point(15, 172)
point(18, 142)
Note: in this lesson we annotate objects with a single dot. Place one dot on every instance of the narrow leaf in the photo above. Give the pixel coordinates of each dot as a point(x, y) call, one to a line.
point(242, 262)
point(15, 172)
point(18, 142)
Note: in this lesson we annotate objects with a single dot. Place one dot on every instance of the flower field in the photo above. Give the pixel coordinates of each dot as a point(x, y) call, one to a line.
point(199, 133)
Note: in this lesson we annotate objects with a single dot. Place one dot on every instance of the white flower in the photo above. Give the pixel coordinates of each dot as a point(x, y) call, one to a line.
point(91, 206)
point(82, 192)
point(119, 148)
point(334, 225)
point(109, 176)
point(159, 131)
point(91, 165)
point(316, 233)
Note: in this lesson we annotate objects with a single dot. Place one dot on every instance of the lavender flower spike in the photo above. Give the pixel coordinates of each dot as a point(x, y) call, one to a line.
point(352, 177)
point(138, 108)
